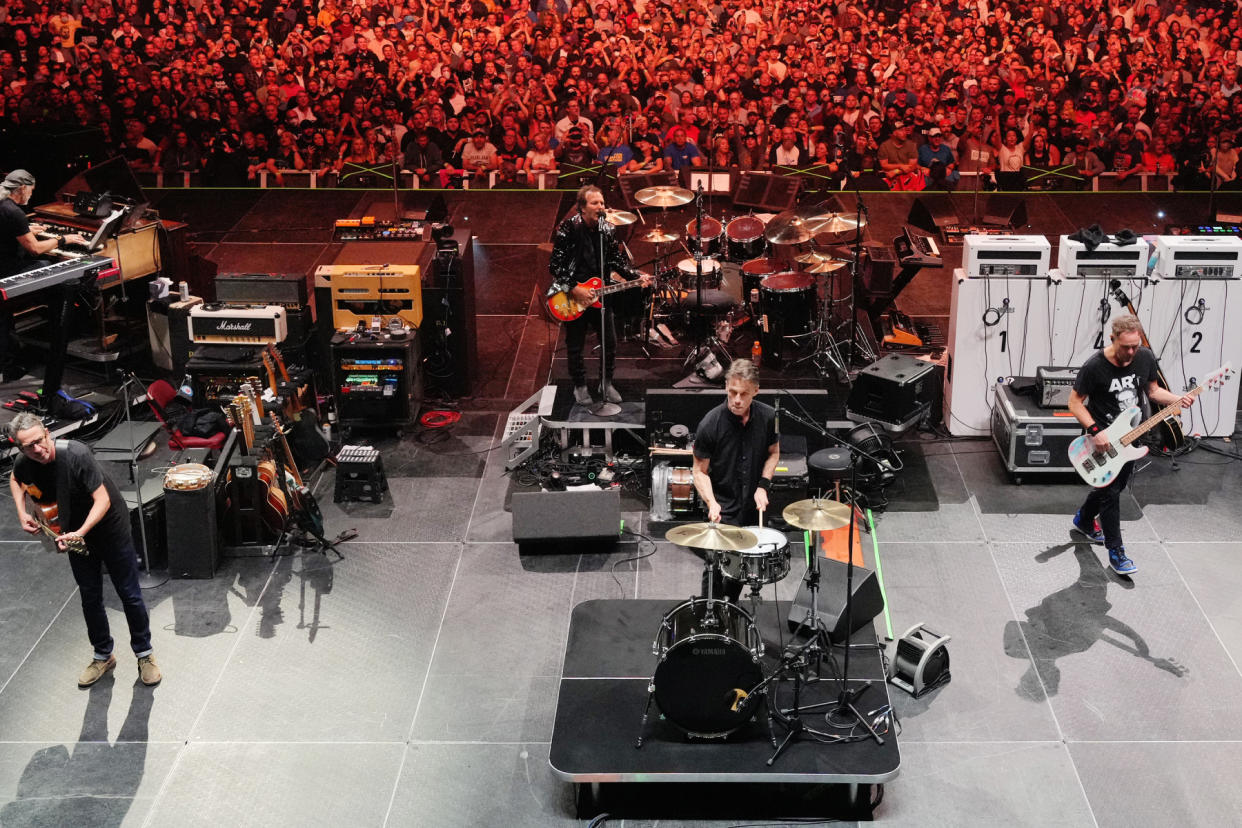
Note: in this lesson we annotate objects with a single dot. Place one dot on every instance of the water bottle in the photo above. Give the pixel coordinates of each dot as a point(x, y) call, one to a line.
point(756, 353)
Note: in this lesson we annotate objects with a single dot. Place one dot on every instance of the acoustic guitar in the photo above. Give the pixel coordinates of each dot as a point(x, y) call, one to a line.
point(48, 517)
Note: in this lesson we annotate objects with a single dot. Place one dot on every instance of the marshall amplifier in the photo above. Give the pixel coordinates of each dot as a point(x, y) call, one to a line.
point(288, 289)
point(236, 325)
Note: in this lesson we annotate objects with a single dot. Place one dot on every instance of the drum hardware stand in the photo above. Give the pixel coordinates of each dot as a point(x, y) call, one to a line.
point(709, 344)
point(603, 408)
point(855, 276)
point(825, 349)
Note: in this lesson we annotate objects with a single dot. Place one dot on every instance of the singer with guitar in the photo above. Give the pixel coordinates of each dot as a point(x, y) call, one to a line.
point(736, 450)
point(581, 243)
point(65, 473)
point(1110, 382)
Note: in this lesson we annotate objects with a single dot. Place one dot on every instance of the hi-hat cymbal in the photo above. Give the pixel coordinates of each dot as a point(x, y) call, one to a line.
point(825, 266)
point(663, 196)
point(817, 515)
point(658, 235)
point(815, 257)
point(716, 536)
point(619, 218)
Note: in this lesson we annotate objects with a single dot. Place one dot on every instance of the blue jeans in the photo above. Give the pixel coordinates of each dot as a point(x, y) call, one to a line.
point(1105, 503)
point(122, 563)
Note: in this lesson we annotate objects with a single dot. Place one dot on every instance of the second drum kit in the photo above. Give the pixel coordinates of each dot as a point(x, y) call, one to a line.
point(787, 275)
point(710, 679)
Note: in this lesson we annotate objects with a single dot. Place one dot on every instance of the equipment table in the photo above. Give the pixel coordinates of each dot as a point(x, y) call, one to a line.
point(603, 692)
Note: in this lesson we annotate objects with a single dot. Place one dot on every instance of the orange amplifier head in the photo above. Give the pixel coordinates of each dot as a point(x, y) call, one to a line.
point(363, 292)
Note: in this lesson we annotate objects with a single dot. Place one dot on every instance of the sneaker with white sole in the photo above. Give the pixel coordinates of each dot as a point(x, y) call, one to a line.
point(1094, 534)
point(1119, 563)
point(96, 670)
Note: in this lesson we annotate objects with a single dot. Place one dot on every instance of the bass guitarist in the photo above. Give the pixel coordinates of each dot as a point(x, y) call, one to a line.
point(576, 258)
point(1111, 381)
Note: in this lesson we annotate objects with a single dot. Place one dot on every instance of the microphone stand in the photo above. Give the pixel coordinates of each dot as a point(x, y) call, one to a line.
point(146, 578)
point(603, 408)
point(855, 268)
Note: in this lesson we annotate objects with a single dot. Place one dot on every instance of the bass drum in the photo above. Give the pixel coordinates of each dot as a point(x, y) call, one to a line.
point(745, 238)
point(709, 660)
point(790, 302)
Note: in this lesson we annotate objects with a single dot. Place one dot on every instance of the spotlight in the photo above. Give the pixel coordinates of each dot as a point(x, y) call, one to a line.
point(1160, 214)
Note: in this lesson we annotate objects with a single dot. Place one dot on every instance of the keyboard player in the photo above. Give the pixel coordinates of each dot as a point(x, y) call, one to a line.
point(20, 250)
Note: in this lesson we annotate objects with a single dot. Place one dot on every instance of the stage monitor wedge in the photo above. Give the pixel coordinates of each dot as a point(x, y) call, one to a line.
point(765, 191)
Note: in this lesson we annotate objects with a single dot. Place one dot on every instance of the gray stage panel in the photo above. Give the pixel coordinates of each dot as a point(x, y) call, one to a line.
point(1212, 573)
point(507, 616)
point(486, 708)
point(1216, 522)
point(280, 783)
point(43, 701)
point(612, 575)
point(37, 583)
point(1185, 783)
point(1119, 658)
point(676, 574)
point(468, 786)
point(957, 785)
point(96, 783)
point(489, 518)
point(349, 652)
point(423, 509)
point(955, 590)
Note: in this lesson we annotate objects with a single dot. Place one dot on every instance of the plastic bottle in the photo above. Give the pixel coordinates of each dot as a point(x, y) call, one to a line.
point(756, 353)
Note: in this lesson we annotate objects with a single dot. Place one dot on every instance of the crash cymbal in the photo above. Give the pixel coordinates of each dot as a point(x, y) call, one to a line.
point(788, 228)
point(826, 266)
point(619, 218)
point(838, 225)
point(716, 536)
point(815, 257)
point(663, 196)
point(817, 515)
point(658, 235)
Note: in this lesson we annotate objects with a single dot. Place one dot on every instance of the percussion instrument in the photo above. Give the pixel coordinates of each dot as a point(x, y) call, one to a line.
point(663, 196)
point(712, 229)
point(817, 515)
point(745, 238)
point(690, 274)
point(764, 563)
point(682, 496)
point(658, 235)
point(619, 218)
point(711, 536)
point(754, 272)
point(187, 477)
point(789, 299)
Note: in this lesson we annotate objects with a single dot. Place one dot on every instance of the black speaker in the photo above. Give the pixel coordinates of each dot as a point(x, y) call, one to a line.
point(1005, 211)
point(449, 331)
point(192, 533)
point(868, 600)
point(932, 213)
point(542, 517)
point(766, 191)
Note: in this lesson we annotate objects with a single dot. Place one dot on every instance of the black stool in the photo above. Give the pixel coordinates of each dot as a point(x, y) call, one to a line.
point(828, 467)
point(359, 475)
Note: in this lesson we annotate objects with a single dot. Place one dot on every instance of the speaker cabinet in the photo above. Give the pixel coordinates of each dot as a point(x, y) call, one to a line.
point(868, 600)
point(1005, 211)
point(932, 213)
point(548, 517)
point(193, 537)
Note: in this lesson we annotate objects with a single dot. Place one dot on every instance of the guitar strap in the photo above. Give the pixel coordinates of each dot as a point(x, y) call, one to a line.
point(63, 508)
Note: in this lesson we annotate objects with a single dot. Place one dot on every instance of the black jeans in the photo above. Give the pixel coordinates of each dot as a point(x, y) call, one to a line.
point(122, 563)
point(575, 339)
point(1105, 503)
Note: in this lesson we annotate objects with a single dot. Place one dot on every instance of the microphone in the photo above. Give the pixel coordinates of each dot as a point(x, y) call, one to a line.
point(778, 415)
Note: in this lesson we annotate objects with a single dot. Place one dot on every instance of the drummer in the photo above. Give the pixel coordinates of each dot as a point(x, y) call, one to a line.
point(736, 449)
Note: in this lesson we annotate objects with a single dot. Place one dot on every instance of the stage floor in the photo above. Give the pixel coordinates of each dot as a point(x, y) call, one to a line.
point(415, 682)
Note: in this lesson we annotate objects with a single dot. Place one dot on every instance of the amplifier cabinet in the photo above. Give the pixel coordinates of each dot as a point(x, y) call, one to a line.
point(288, 289)
point(1029, 438)
point(895, 391)
point(192, 532)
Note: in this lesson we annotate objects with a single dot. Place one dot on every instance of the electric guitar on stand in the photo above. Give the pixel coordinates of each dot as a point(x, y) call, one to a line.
point(1099, 467)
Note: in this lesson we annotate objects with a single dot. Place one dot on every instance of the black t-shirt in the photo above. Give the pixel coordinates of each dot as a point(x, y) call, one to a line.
point(736, 453)
point(13, 225)
point(1110, 389)
point(84, 475)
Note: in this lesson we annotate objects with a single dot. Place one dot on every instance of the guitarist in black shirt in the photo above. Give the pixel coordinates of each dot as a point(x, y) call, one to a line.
point(1110, 381)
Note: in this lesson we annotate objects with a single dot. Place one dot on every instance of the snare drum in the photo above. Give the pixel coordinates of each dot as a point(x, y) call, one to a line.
point(188, 477)
point(690, 275)
point(709, 654)
point(681, 494)
point(764, 563)
point(745, 238)
point(789, 300)
point(712, 231)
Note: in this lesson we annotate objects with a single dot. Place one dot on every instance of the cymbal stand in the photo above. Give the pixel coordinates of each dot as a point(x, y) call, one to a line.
point(856, 275)
point(709, 343)
point(825, 349)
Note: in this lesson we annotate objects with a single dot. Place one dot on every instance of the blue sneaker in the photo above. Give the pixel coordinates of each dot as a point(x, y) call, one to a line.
point(1119, 563)
point(1093, 534)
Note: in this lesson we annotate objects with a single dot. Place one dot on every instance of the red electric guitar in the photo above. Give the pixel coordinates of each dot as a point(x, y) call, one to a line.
point(563, 307)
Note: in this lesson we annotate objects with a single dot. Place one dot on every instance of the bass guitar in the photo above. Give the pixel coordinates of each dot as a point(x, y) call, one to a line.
point(563, 307)
point(1168, 432)
point(1100, 466)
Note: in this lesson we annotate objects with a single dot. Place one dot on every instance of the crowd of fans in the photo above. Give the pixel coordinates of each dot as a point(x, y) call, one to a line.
point(910, 95)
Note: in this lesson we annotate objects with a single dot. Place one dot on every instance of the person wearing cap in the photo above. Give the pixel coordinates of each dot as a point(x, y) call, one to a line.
point(478, 155)
point(937, 162)
point(580, 245)
point(899, 161)
point(1087, 165)
point(20, 248)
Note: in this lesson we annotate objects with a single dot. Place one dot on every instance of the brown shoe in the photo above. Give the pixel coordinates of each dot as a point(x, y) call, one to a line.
point(95, 671)
point(149, 671)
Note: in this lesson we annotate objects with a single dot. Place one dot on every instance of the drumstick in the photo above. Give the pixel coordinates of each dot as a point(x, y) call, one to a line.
point(760, 518)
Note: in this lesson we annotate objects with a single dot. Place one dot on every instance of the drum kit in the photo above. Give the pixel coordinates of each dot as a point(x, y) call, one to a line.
point(710, 677)
point(789, 275)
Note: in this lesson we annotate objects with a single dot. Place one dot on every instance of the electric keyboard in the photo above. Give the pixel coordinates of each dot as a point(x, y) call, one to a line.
point(919, 250)
point(58, 273)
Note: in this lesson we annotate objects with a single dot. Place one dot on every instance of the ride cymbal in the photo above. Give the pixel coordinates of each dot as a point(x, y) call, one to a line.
point(817, 515)
point(715, 536)
point(663, 196)
point(619, 218)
